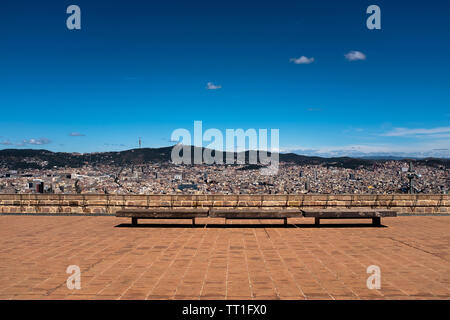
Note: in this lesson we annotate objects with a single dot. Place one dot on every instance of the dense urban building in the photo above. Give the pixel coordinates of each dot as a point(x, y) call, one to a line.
point(384, 178)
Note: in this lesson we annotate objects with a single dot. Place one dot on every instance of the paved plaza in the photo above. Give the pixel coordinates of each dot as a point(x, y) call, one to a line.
point(170, 259)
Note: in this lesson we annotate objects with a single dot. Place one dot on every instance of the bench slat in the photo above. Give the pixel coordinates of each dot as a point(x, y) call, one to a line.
point(347, 213)
point(254, 213)
point(164, 213)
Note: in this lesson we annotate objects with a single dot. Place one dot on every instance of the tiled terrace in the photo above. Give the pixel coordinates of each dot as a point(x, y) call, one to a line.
point(249, 261)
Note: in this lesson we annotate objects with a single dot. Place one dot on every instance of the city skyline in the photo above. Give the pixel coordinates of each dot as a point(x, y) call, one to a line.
point(311, 69)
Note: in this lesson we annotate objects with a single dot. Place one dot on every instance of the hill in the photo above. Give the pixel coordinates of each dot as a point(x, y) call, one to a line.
point(16, 159)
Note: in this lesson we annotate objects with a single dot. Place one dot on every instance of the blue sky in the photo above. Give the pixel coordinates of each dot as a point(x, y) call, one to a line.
point(141, 69)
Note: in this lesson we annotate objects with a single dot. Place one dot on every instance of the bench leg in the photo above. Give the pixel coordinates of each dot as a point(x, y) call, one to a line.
point(376, 221)
point(134, 221)
point(193, 221)
point(317, 221)
point(285, 221)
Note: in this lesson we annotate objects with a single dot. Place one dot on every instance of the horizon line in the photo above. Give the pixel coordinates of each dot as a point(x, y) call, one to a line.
point(368, 156)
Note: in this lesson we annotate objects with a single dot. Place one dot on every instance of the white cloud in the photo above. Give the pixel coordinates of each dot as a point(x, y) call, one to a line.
point(339, 150)
point(441, 132)
point(302, 60)
point(76, 134)
point(438, 149)
point(355, 56)
point(115, 144)
point(212, 86)
point(6, 143)
point(40, 141)
point(429, 142)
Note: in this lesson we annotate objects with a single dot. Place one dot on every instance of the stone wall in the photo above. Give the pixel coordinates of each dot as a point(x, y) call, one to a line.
point(109, 204)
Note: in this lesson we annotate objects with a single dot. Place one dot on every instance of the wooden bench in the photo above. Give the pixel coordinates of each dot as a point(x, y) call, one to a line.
point(374, 214)
point(163, 213)
point(255, 213)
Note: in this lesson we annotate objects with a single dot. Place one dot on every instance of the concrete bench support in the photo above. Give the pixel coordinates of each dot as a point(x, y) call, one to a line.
point(376, 221)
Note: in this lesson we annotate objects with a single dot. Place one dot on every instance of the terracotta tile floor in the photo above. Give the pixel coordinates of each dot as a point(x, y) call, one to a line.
point(250, 261)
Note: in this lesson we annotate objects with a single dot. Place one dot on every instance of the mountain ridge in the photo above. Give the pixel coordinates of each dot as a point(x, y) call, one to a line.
point(14, 159)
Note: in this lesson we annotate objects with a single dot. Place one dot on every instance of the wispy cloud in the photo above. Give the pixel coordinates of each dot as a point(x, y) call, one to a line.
point(39, 141)
point(76, 134)
point(302, 60)
point(6, 143)
point(115, 144)
point(436, 149)
point(355, 56)
point(337, 150)
point(212, 86)
point(440, 132)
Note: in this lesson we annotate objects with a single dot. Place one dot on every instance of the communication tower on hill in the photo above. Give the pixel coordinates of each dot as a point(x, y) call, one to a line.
point(411, 175)
point(140, 142)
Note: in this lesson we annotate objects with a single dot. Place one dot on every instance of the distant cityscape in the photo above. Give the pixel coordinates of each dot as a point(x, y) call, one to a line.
point(386, 177)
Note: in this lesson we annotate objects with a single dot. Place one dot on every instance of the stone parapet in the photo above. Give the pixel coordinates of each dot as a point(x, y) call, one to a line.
point(109, 204)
